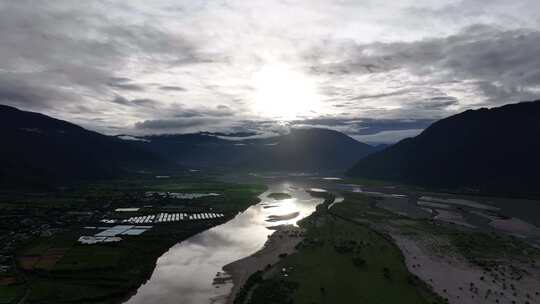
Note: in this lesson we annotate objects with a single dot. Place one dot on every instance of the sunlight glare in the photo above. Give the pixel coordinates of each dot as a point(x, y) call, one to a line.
point(283, 93)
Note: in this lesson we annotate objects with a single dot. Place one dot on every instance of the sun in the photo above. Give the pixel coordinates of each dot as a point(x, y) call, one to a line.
point(283, 93)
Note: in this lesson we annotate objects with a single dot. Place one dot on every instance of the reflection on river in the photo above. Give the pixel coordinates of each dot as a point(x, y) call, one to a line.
point(186, 272)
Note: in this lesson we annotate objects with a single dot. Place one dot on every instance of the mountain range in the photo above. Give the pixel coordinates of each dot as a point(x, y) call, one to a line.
point(484, 150)
point(310, 149)
point(493, 150)
point(38, 149)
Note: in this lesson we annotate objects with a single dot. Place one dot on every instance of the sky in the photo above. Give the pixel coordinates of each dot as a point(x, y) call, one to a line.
point(376, 70)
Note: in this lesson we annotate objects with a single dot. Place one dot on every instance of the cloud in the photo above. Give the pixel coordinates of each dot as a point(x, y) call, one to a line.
point(125, 84)
point(387, 137)
point(181, 66)
point(441, 102)
point(15, 91)
point(176, 124)
point(144, 102)
point(181, 119)
point(172, 88)
point(368, 128)
point(500, 66)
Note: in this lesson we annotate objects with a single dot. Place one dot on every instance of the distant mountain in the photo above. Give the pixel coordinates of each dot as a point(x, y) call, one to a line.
point(491, 150)
point(301, 149)
point(380, 147)
point(40, 149)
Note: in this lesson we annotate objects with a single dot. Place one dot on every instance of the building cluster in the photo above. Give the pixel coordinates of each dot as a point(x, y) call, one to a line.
point(111, 234)
point(179, 195)
point(20, 225)
point(89, 240)
point(173, 217)
point(6, 263)
point(131, 225)
point(165, 218)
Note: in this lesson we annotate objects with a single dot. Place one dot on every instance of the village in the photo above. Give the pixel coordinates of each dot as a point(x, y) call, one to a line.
point(130, 217)
point(107, 220)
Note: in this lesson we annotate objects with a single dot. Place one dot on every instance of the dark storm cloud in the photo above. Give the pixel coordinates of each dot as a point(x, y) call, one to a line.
point(121, 100)
point(175, 124)
point(440, 102)
point(185, 120)
point(15, 92)
point(365, 126)
point(125, 84)
point(144, 102)
point(141, 102)
point(15, 95)
point(384, 95)
point(225, 127)
point(219, 111)
point(172, 88)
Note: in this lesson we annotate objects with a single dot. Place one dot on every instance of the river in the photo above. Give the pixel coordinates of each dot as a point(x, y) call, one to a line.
point(186, 272)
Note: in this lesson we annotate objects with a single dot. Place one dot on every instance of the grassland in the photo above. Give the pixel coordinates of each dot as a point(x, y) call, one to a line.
point(350, 255)
point(341, 261)
point(10, 293)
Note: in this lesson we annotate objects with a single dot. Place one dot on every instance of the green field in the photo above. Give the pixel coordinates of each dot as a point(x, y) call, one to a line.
point(9, 294)
point(57, 269)
point(341, 261)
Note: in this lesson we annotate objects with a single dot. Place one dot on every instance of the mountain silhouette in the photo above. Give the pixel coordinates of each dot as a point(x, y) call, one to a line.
point(39, 149)
point(310, 149)
point(488, 150)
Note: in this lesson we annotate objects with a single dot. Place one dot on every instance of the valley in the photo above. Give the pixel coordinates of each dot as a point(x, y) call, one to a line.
point(270, 152)
point(375, 241)
point(270, 244)
point(237, 219)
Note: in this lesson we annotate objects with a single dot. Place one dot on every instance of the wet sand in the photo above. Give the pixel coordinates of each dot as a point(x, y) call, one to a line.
point(452, 218)
point(516, 226)
point(452, 277)
point(459, 202)
point(283, 240)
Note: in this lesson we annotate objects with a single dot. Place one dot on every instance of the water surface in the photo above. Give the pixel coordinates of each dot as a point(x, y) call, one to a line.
point(185, 273)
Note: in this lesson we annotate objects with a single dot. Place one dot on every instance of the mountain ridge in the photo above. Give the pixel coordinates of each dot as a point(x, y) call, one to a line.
point(466, 150)
point(40, 149)
point(301, 149)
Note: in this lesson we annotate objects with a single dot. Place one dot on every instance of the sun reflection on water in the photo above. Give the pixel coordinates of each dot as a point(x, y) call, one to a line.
point(186, 272)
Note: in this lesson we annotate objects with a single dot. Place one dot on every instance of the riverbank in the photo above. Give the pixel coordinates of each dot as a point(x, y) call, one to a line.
point(337, 261)
point(192, 271)
point(354, 250)
point(454, 277)
point(54, 267)
point(279, 244)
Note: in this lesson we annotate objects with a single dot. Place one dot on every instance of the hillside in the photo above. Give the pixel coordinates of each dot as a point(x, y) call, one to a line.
point(492, 150)
point(301, 149)
point(40, 149)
